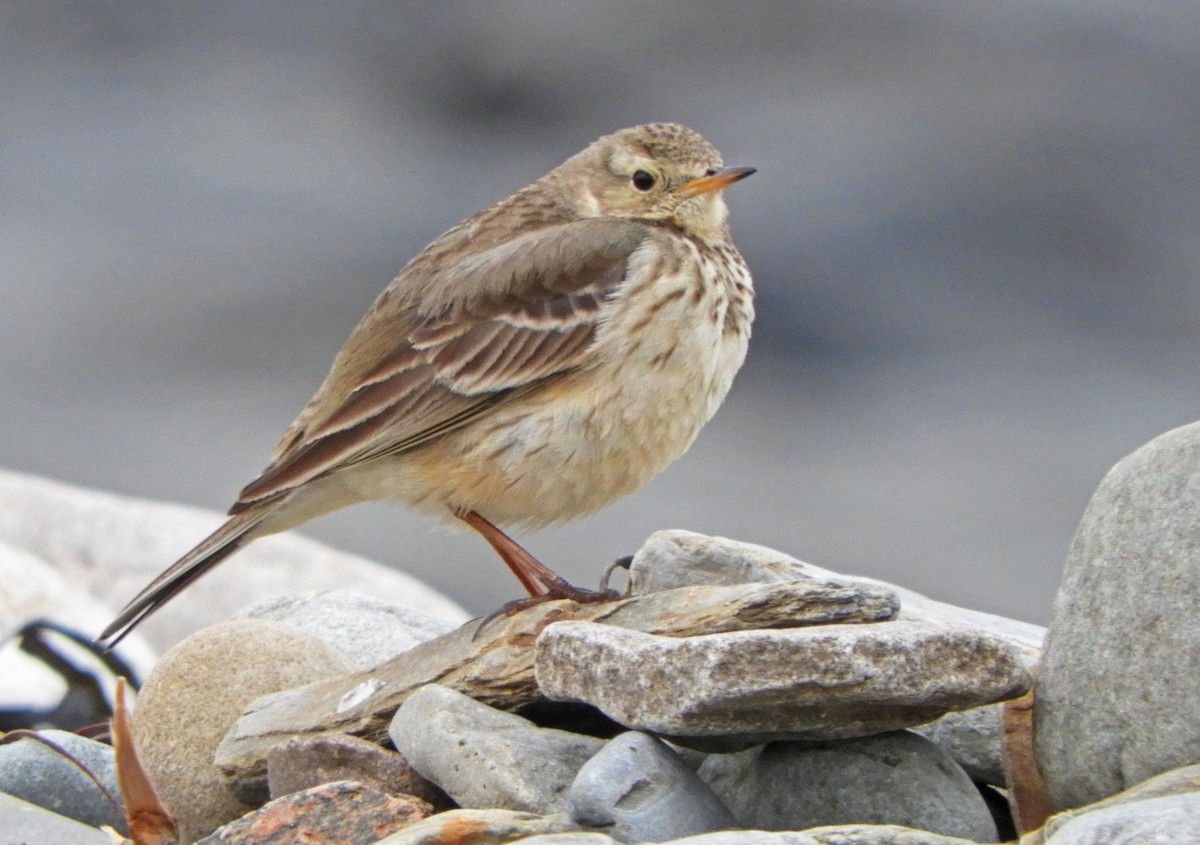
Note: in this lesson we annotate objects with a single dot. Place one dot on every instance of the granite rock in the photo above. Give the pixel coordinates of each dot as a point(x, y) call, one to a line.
point(823, 682)
point(1118, 692)
point(896, 778)
point(197, 691)
point(676, 558)
point(638, 790)
point(486, 758)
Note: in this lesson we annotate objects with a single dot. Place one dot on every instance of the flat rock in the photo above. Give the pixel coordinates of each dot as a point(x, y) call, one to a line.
point(1170, 819)
point(197, 691)
point(478, 827)
point(675, 558)
point(896, 778)
point(309, 761)
point(338, 813)
point(638, 790)
point(1118, 693)
point(29, 824)
point(367, 630)
point(40, 775)
point(805, 683)
point(493, 661)
point(485, 758)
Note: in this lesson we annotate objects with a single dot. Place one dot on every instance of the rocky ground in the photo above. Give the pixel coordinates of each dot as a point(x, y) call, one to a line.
point(732, 694)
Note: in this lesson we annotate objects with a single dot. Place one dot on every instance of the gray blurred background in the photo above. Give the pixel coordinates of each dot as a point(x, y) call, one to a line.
point(975, 233)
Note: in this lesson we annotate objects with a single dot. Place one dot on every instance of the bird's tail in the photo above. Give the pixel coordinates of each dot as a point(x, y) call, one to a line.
point(208, 553)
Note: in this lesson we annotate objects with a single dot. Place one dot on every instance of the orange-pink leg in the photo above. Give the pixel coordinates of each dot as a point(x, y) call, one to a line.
point(541, 582)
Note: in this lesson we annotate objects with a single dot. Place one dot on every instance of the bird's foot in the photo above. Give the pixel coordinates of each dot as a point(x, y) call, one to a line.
point(561, 589)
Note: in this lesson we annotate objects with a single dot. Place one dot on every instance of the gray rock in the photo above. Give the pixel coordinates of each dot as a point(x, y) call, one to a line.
point(1170, 819)
point(579, 837)
point(1118, 694)
point(676, 558)
point(366, 630)
point(307, 761)
point(750, 837)
point(112, 546)
point(973, 738)
point(197, 691)
point(1185, 781)
point(880, 834)
point(638, 790)
point(30, 824)
point(823, 682)
point(486, 758)
point(479, 827)
point(40, 775)
point(896, 778)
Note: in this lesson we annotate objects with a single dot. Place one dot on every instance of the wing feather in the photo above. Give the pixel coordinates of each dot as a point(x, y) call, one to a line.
point(441, 347)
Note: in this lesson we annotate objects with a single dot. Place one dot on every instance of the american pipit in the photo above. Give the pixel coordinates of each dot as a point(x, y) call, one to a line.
point(534, 363)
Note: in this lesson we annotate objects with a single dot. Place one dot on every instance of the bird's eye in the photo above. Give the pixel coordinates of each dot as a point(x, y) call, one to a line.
point(642, 180)
point(712, 171)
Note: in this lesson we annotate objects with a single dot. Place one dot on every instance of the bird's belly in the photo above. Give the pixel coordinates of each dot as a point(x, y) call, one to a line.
point(572, 447)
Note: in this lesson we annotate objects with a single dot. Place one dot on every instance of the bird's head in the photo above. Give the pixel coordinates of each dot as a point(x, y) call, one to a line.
point(659, 172)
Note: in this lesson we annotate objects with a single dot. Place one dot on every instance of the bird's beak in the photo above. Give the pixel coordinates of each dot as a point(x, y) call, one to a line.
point(723, 178)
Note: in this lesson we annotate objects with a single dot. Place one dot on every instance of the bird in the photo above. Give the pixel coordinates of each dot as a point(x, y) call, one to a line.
point(535, 362)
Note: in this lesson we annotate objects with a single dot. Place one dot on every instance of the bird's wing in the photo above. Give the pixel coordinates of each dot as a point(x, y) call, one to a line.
point(442, 345)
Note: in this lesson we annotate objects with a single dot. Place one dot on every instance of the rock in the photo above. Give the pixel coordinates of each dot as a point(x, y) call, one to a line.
point(973, 738)
point(638, 790)
point(30, 824)
point(674, 558)
point(197, 691)
point(1170, 819)
point(822, 682)
point(493, 662)
point(1118, 693)
point(366, 630)
point(1183, 781)
point(880, 834)
point(31, 771)
point(897, 778)
point(572, 838)
point(478, 827)
point(485, 758)
point(111, 546)
point(750, 837)
point(305, 762)
point(338, 813)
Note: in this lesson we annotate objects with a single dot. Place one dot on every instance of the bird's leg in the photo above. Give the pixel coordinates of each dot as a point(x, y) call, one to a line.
point(539, 580)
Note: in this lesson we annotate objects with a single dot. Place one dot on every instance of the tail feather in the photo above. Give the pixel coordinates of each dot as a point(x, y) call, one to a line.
point(219, 545)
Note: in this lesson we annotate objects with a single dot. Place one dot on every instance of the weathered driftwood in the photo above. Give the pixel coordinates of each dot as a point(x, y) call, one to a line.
point(493, 662)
